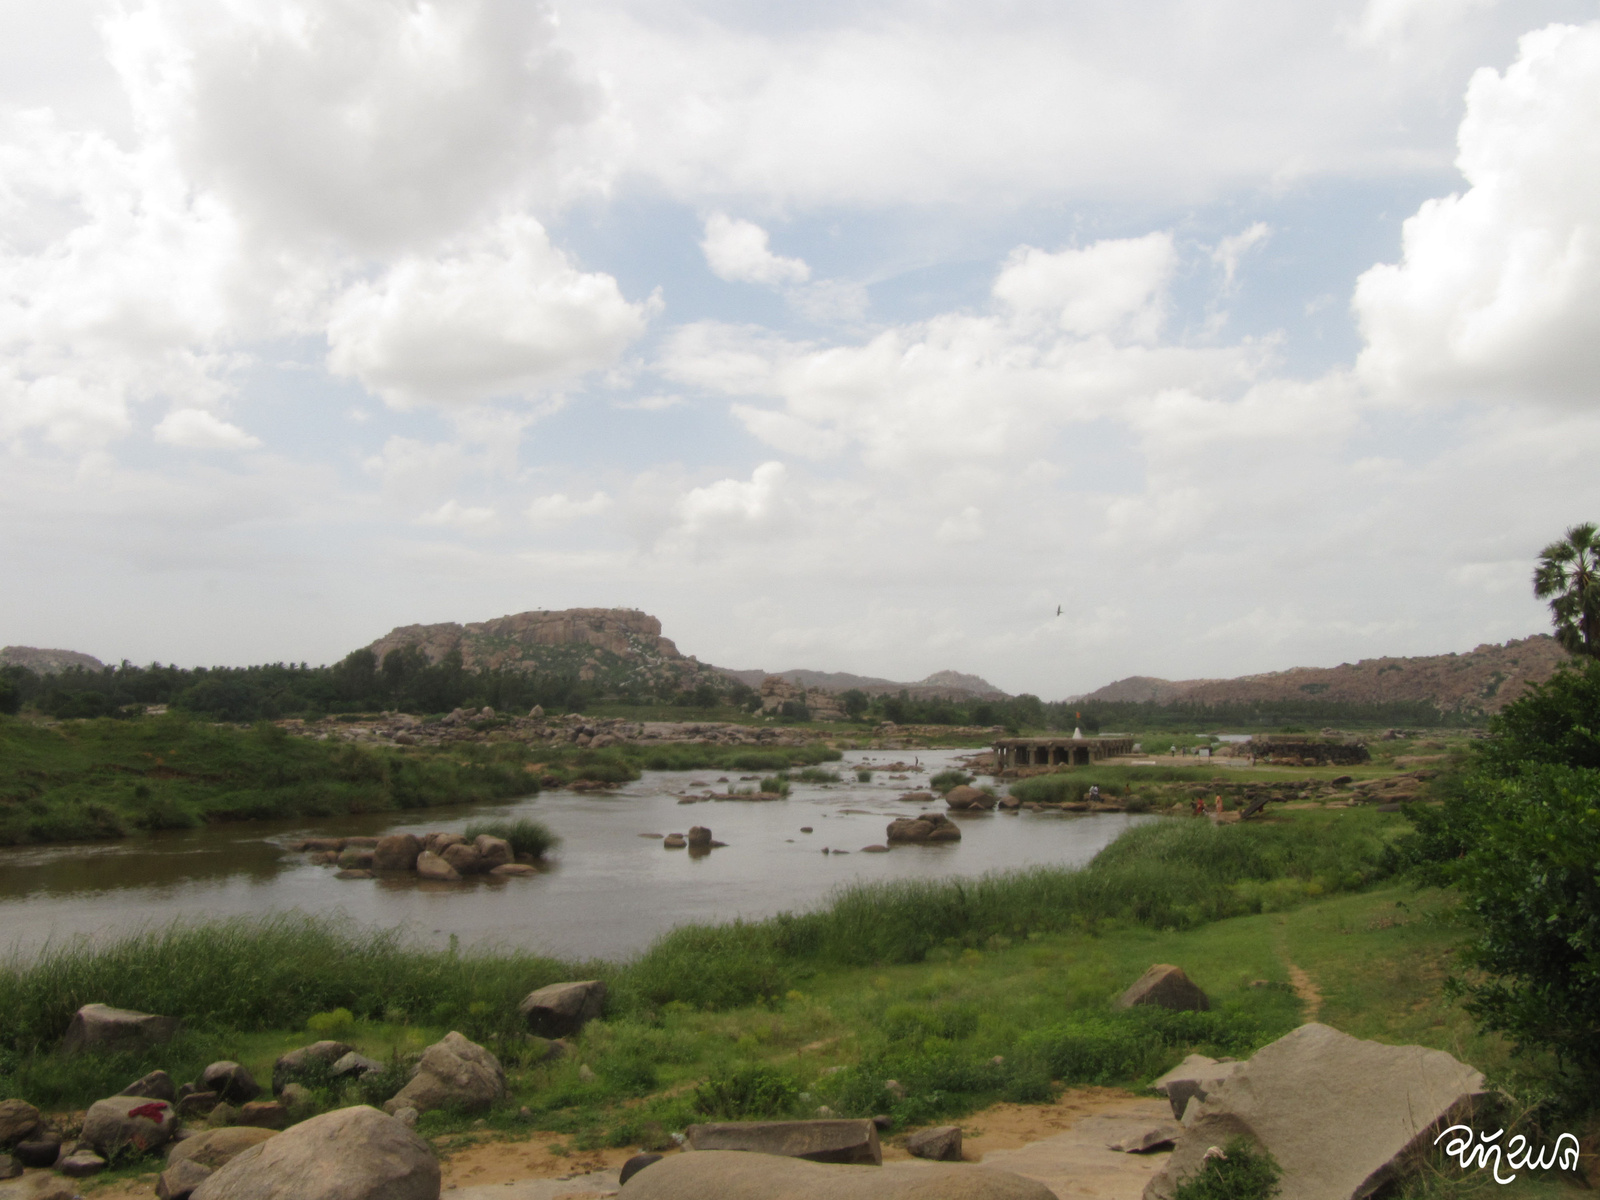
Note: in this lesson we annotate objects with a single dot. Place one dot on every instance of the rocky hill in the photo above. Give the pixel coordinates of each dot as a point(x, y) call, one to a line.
point(1483, 680)
point(613, 647)
point(47, 662)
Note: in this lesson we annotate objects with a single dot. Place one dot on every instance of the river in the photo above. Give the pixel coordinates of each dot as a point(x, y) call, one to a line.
point(607, 893)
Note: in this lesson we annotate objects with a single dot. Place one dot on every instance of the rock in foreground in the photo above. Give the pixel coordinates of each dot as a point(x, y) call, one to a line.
point(348, 1154)
point(1342, 1116)
point(829, 1141)
point(1165, 986)
point(129, 1123)
point(730, 1176)
point(105, 1028)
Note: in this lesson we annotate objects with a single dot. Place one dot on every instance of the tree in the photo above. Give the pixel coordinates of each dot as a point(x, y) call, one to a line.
point(855, 701)
point(1568, 576)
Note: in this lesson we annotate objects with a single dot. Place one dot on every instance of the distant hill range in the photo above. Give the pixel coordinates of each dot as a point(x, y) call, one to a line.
point(941, 685)
point(1483, 680)
point(47, 662)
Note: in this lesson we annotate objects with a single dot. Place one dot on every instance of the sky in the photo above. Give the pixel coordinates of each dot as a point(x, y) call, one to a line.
point(849, 337)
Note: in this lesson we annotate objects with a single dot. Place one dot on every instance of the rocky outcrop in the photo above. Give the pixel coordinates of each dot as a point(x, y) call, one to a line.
point(453, 1073)
point(48, 662)
point(816, 1141)
point(105, 1028)
point(562, 1009)
point(348, 1154)
point(1342, 1116)
point(929, 827)
point(1165, 986)
point(732, 1176)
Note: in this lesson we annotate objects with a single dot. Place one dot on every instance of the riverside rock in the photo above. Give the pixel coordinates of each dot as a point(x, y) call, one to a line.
point(18, 1121)
point(453, 1072)
point(826, 1141)
point(1165, 986)
point(941, 1143)
point(1341, 1115)
point(1196, 1075)
point(306, 1061)
point(180, 1179)
point(105, 1028)
point(562, 1009)
point(157, 1086)
point(232, 1082)
point(492, 851)
point(431, 866)
point(348, 1154)
point(730, 1176)
point(435, 843)
point(964, 797)
point(465, 858)
point(397, 852)
point(120, 1123)
point(217, 1147)
point(929, 827)
point(699, 836)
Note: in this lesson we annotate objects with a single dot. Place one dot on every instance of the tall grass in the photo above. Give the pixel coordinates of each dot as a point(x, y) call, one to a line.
point(1074, 784)
point(526, 836)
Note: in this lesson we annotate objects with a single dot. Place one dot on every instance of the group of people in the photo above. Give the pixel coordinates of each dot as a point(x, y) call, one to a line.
point(1200, 806)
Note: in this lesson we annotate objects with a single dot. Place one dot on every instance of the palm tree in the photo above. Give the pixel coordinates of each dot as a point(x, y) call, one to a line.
point(1568, 575)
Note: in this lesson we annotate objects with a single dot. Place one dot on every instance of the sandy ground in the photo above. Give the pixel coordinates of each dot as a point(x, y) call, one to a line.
point(1063, 1145)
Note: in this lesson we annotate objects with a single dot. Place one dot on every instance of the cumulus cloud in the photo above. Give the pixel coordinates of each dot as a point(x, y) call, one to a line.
point(559, 509)
point(738, 251)
point(733, 506)
point(1498, 287)
point(499, 314)
point(452, 514)
point(197, 429)
point(1111, 285)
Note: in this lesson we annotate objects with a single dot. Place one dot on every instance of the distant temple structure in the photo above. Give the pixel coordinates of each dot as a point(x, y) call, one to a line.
point(1076, 751)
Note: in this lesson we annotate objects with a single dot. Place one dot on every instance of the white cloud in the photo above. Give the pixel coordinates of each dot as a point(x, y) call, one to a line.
point(560, 509)
point(737, 251)
point(1231, 249)
point(733, 506)
point(197, 429)
point(1498, 288)
point(1113, 285)
point(498, 314)
point(452, 514)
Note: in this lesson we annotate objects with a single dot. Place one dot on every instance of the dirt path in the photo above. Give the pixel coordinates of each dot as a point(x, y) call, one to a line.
point(1306, 989)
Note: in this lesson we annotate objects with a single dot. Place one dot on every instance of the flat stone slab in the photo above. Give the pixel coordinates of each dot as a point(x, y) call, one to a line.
point(579, 1187)
point(826, 1141)
point(1079, 1161)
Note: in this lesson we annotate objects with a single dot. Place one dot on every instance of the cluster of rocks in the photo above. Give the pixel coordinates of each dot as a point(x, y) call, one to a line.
point(928, 827)
point(963, 798)
point(447, 856)
point(697, 841)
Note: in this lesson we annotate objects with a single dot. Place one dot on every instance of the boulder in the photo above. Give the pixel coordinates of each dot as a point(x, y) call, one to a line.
point(674, 841)
point(431, 866)
point(917, 797)
point(105, 1028)
point(963, 796)
point(561, 1009)
point(10, 1167)
point(81, 1164)
point(397, 852)
point(223, 1114)
point(355, 1064)
point(197, 1104)
point(941, 1143)
point(230, 1081)
point(1165, 986)
point(1342, 1116)
point(180, 1179)
point(157, 1086)
point(699, 835)
point(634, 1165)
point(297, 1098)
point(826, 1141)
point(875, 849)
point(216, 1147)
point(39, 1151)
point(39, 1187)
point(306, 1062)
point(492, 852)
point(264, 1114)
point(435, 843)
point(1157, 1137)
point(453, 1073)
point(121, 1123)
point(506, 870)
point(1196, 1075)
point(18, 1121)
point(356, 858)
point(348, 1154)
point(929, 827)
point(767, 1177)
point(464, 859)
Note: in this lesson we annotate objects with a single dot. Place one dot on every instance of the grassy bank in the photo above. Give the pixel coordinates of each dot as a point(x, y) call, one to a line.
point(102, 778)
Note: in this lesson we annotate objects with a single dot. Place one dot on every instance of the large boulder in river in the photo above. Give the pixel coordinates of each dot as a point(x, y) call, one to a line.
point(134, 1124)
point(492, 851)
point(453, 1073)
point(1342, 1116)
point(929, 827)
point(397, 852)
point(348, 1154)
point(307, 1062)
point(464, 858)
point(101, 1027)
point(735, 1176)
point(964, 797)
point(431, 866)
point(561, 1009)
point(1165, 986)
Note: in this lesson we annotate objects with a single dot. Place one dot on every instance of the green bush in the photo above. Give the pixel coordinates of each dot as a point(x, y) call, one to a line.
point(776, 784)
point(526, 836)
point(748, 1093)
point(1241, 1173)
point(863, 776)
point(945, 780)
point(816, 775)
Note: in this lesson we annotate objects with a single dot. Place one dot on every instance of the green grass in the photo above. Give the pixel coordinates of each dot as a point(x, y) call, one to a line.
point(102, 778)
point(526, 836)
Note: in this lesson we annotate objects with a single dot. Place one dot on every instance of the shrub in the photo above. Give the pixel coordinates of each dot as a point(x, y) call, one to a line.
point(1241, 1173)
point(945, 780)
point(816, 775)
point(747, 1093)
point(778, 784)
point(863, 776)
point(525, 835)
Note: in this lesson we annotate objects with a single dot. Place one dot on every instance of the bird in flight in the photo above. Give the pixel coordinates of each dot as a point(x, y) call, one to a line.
point(1058, 610)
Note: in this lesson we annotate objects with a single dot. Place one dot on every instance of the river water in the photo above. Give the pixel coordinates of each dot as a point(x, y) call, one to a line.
point(607, 893)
